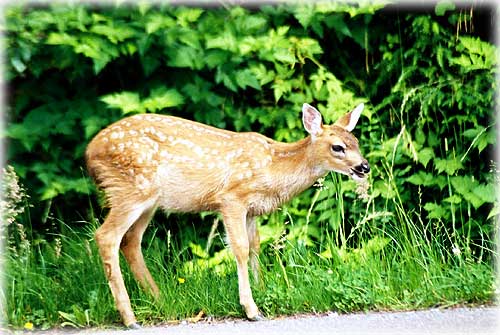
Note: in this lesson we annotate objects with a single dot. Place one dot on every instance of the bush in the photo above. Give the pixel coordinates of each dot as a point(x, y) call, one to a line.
point(428, 79)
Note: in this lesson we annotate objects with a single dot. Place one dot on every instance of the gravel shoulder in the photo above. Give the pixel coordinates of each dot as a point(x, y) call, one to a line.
point(464, 320)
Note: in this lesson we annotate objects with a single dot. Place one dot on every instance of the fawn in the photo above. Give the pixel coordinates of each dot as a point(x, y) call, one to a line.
point(148, 161)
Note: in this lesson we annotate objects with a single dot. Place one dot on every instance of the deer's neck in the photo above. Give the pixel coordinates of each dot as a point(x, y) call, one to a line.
point(295, 165)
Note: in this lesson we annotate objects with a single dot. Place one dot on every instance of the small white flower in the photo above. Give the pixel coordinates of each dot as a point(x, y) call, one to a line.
point(456, 250)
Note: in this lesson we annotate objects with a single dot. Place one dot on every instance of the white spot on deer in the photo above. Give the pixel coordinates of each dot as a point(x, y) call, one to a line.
point(182, 141)
point(105, 139)
point(210, 165)
point(214, 152)
point(165, 154)
point(245, 165)
point(114, 135)
point(230, 155)
point(142, 182)
point(198, 151)
point(161, 136)
point(132, 132)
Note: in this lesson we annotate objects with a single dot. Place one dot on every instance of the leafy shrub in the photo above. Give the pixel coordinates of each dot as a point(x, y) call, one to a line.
point(428, 82)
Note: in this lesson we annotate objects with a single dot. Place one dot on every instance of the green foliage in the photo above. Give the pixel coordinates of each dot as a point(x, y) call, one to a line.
point(428, 81)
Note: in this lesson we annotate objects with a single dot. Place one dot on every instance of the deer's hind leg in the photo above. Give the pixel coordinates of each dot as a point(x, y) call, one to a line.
point(108, 238)
point(131, 248)
point(254, 244)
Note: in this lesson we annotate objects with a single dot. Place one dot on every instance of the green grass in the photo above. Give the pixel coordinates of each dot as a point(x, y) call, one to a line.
point(62, 283)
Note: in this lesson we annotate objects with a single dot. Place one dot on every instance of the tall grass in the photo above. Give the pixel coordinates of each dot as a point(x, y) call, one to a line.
point(61, 282)
point(403, 263)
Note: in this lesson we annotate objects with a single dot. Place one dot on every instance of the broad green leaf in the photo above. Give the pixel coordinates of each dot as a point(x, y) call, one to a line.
point(450, 166)
point(435, 211)
point(246, 78)
point(425, 155)
point(227, 80)
point(478, 55)
point(262, 74)
point(216, 57)
point(19, 132)
point(61, 39)
point(127, 102)
point(250, 24)
point(114, 33)
point(421, 178)
point(304, 14)
point(485, 192)
point(185, 56)
point(284, 56)
point(472, 191)
point(281, 87)
point(52, 190)
point(225, 41)
point(157, 21)
point(161, 98)
point(93, 124)
point(187, 15)
point(454, 199)
point(337, 22)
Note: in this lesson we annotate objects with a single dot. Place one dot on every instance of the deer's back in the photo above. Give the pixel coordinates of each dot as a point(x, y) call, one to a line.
point(185, 164)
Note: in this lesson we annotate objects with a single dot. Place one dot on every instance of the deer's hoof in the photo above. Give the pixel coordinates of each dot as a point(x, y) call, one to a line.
point(258, 317)
point(134, 325)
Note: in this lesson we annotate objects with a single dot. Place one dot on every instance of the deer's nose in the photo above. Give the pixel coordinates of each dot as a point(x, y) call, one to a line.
point(363, 167)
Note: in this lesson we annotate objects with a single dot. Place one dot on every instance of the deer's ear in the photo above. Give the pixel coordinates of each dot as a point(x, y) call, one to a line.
point(349, 121)
point(311, 118)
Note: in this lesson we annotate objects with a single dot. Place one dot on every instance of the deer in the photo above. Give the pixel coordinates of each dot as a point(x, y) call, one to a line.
point(148, 161)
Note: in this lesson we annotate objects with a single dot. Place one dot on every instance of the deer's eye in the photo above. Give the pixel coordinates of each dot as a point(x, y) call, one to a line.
point(338, 148)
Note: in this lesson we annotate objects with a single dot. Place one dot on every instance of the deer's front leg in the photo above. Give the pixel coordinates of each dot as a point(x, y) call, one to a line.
point(236, 229)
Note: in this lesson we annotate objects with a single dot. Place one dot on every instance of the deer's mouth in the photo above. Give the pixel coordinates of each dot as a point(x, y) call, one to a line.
point(357, 175)
point(359, 171)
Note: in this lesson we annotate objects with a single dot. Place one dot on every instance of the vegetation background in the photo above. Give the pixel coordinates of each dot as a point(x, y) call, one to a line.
point(421, 233)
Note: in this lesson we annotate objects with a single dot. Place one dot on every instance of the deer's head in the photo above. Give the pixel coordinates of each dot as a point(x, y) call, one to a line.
point(335, 147)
